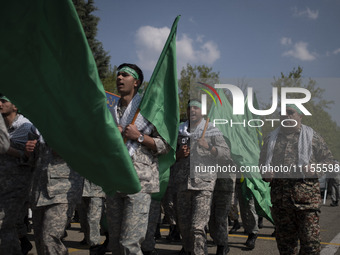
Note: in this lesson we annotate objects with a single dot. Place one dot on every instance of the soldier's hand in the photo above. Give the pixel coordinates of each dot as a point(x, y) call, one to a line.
point(120, 128)
point(203, 143)
point(29, 147)
point(131, 132)
point(268, 177)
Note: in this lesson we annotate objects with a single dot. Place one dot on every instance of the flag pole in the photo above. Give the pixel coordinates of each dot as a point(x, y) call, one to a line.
point(133, 121)
point(205, 127)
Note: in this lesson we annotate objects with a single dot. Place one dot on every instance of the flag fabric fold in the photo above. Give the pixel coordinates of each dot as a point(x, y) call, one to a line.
point(245, 152)
point(160, 104)
point(49, 72)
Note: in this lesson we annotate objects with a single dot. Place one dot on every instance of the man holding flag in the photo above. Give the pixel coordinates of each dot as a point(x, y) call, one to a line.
point(128, 213)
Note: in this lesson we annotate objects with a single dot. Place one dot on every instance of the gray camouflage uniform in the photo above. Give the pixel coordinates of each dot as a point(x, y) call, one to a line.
point(127, 214)
point(90, 212)
point(4, 139)
point(154, 214)
point(56, 191)
point(195, 190)
point(15, 179)
point(220, 208)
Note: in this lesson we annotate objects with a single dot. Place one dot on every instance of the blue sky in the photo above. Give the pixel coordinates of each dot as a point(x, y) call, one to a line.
point(239, 39)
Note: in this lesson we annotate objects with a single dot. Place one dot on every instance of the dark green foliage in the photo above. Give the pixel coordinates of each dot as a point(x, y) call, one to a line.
point(90, 22)
point(188, 75)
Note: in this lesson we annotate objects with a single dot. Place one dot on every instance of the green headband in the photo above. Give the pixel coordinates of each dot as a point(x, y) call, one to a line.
point(130, 71)
point(5, 98)
point(293, 106)
point(195, 103)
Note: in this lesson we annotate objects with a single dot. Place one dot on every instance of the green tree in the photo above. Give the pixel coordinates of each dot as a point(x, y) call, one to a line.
point(189, 76)
point(109, 82)
point(90, 22)
point(320, 120)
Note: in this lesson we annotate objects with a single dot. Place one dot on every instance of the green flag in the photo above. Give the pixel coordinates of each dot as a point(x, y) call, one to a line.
point(254, 130)
point(160, 104)
point(49, 72)
point(245, 152)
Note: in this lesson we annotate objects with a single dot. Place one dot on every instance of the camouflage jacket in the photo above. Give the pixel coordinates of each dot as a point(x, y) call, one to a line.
point(288, 189)
point(54, 182)
point(145, 162)
point(191, 172)
point(18, 133)
point(4, 138)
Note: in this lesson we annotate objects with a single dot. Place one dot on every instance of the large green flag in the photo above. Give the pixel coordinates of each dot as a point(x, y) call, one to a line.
point(255, 129)
point(160, 104)
point(49, 72)
point(245, 152)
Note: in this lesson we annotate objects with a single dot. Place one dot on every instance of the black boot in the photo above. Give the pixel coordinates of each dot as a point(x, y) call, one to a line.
point(222, 250)
point(250, 243)
point(98, 250)
point(183, 252)
point(260, 222)
point(235, 227)
point(26, 245)
point(173, 234)
point(158, 232)
point(153, 252)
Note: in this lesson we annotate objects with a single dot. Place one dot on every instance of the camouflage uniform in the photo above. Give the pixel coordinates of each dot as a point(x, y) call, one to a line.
point(127, 214)
point(296, 201)
point(220, 208)
point(4, 139)
point(149, 243)
point(195, 189)
point(169, 200)
point(90, 212)
point(247, 210)
point(15, 178)
point(56, 191)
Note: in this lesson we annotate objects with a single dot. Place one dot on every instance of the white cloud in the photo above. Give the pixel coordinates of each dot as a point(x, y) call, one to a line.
point(308, 13)
point(150, 42)
point(337, 51)
point(300, 51)
point(286, 41)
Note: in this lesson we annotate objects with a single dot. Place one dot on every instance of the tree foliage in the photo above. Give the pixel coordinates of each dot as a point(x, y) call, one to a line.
point(186, 83)
point(90, 22)
point(109, 82)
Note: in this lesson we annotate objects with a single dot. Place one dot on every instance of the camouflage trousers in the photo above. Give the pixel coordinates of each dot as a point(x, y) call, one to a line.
point(127, 217)
point(292, 225)
point(218, 223)
point(169, 205)
point(233, 213)
point(154, 216)
point(193, 208)
point(90, 213)
point(13, 195)
point(248, 213)
point(49, 224)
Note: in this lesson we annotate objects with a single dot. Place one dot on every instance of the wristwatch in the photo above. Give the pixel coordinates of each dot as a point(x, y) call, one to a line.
point(140, 138)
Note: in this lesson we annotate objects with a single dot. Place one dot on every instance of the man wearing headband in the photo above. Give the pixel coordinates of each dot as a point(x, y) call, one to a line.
point(295, 195)
point(15, 178)
point(194, 188)
point(128, 213)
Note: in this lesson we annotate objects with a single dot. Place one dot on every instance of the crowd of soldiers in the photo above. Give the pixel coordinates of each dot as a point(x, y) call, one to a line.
point(196, 201)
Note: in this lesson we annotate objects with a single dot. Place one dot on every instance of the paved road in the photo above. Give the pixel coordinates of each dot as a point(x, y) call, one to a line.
point(265, 245)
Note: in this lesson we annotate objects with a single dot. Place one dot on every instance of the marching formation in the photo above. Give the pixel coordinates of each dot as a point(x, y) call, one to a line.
point(35, 176)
